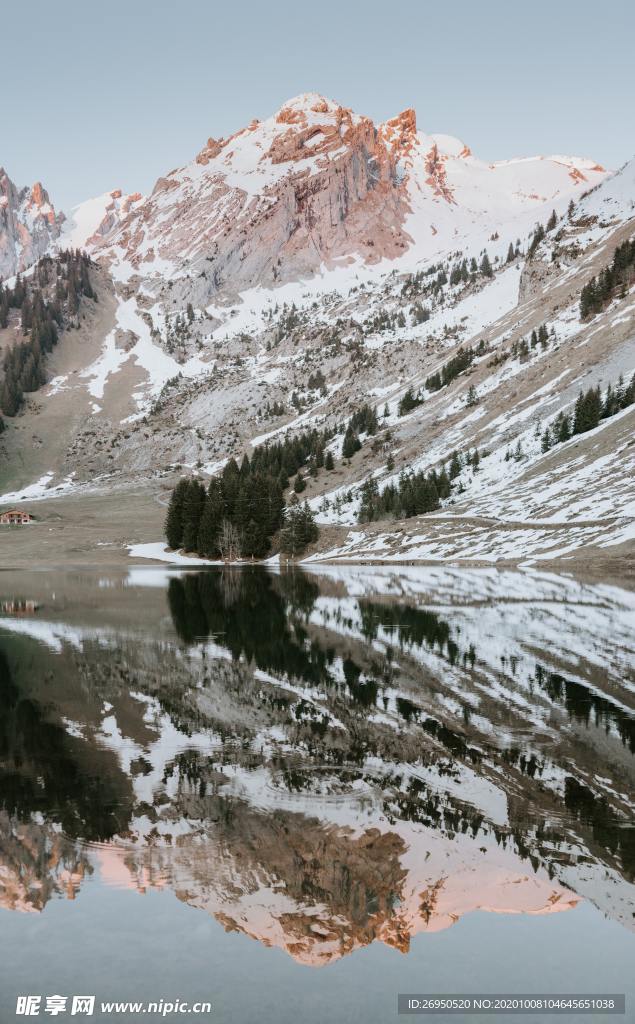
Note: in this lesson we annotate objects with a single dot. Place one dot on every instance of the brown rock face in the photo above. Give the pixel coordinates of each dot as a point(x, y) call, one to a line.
point(437, 178)
point(212, 149)
point(400, 131)
point(28, 224)
point(325, 189)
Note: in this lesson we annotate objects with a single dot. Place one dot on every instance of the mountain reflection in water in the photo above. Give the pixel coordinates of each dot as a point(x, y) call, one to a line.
point(320, 761)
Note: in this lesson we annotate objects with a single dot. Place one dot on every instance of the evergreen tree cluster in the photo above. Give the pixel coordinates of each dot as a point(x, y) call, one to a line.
point(413, 495)
point(428, 283)
point(363, 421)
point(536, 239)
point(178, 332)
point(317, 381)
point(243, 508)
point(64, 280)
point(351, 443)
point(456, 365)
point(241, 511)
point(459, 273)
point(513, 251)
point(523, 348)
point(384, 321)
point(409, 401)
point(600, 290)
point(234, 518)
point(421, 283)
point(273, 410)
point(590, 408)
point(299, 529)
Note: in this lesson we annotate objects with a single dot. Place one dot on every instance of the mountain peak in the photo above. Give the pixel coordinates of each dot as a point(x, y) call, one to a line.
point(28, 224)
point(314, 186)
point(309, 102)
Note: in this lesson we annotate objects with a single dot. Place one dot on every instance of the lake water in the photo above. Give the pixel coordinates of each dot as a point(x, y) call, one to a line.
point(296, 795)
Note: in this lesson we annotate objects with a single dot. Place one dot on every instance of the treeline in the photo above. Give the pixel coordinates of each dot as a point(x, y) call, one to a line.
point(53, 292)
point(600, 290)
point(236, 516)
point(590, 408)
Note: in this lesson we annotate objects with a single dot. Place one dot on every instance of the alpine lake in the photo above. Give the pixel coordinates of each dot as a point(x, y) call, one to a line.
point(297, 794)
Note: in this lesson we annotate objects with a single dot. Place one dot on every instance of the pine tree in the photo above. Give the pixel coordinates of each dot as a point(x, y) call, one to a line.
point(472, 396)
point(211, 519)
point(309, 529)
point(562, 428)
point(409, 401)
point(174, 518)
point(251, 540)
point(537, 238)
point(455, 465)
point(328, 461)
point(351, 443)
point(486, 266)
point(299, 529)
point(193, 503)
point(299, 483)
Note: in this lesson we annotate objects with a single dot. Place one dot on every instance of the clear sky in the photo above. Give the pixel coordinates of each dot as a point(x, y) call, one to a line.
point(109, 95)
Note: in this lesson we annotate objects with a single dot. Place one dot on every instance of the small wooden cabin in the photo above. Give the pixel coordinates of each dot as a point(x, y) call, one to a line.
point(13, 516)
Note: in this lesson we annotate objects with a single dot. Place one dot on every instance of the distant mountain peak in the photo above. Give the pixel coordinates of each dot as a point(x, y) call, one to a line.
point(28, 224)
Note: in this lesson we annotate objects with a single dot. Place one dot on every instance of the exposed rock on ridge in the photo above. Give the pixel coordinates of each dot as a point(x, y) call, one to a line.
point(28, 224)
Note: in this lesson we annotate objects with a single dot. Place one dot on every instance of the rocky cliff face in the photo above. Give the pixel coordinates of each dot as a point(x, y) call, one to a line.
point(28, 224)
point(317, 186)
point(312, 185)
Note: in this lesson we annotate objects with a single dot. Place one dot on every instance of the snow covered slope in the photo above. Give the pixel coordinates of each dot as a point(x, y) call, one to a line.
point(94, 219)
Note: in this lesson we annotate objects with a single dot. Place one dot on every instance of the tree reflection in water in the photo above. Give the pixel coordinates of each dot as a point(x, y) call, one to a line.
point(318, 768)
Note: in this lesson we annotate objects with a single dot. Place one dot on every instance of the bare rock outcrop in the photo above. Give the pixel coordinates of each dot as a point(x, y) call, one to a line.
point(28, 224)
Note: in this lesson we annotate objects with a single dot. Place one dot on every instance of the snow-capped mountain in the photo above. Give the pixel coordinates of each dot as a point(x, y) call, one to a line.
point(315, 186)
point(28, 224)
point(315, 263)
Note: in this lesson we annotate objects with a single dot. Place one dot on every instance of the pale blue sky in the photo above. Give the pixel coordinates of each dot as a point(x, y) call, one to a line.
point(103, 95)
